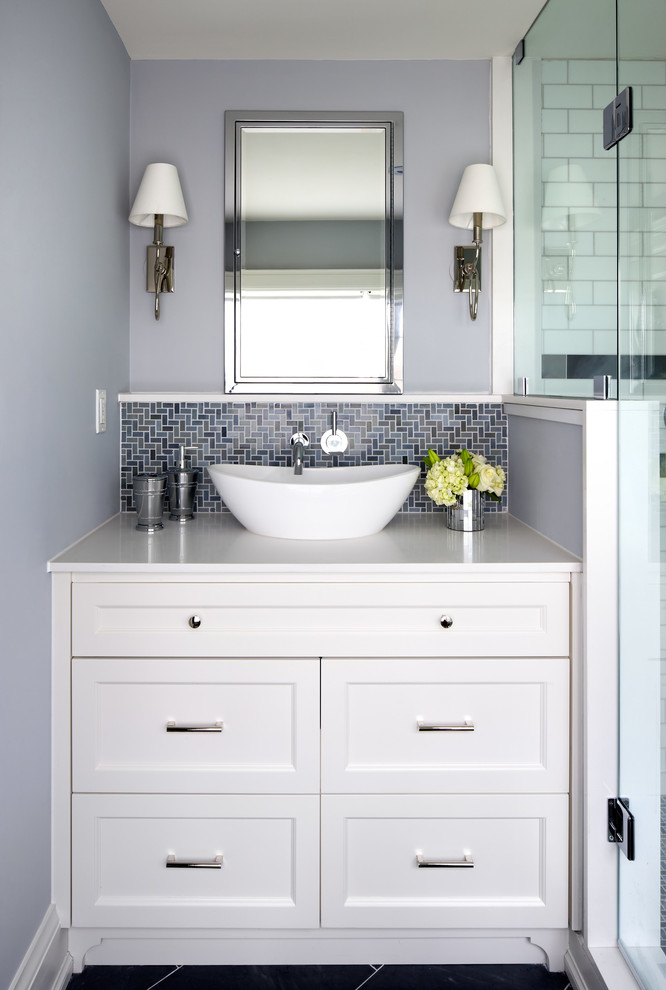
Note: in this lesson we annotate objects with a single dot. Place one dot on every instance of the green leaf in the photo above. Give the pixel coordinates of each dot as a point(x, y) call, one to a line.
point(430, 458)
point(465, 456)
point(473, 480)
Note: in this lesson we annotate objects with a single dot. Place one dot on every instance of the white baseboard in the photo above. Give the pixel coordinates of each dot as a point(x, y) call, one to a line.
point(47, 965)
point(599, 969)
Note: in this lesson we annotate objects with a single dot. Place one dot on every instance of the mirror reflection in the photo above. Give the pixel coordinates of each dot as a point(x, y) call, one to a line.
point(313, 300)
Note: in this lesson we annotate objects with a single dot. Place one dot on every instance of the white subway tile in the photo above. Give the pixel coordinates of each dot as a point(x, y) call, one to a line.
point(632, 170)
point(633, 73)
point(595, 317)
point(548, 164)
point(597, 170)
point(568, 194)
point(554, 71)
point(568, 146)
point(602, 95)
point(603, 218)
point(655, 169)
point(631, 194)
point(581, 293)
point(557, 242)
point(655, 243)
point(657, 322)
point(555, 218)
point(556, 318)
point(643, 269)
point(638, 218)
point(567, 342)
point(631, 147)
point(654, 145)
point(604, 293)
point(605, 243)
point(567, 96)
point(655, 194)
point(603, 268)
point(654, 97)
point(592, 71)
point(605, 342)
point(605, 194)
point(581, 240)
point(585, 122)
point(554, 121)
point(631, 243)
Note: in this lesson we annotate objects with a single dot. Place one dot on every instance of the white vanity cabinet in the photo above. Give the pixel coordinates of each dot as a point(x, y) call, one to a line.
point(319, 765)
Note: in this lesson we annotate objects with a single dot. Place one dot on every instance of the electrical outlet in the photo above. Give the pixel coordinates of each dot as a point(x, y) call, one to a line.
point(100, 410)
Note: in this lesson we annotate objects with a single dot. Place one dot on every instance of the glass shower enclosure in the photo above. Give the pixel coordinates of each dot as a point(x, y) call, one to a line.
point(590, 321)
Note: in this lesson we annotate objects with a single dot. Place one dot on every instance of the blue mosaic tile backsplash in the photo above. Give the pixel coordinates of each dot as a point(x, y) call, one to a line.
point(259, 432)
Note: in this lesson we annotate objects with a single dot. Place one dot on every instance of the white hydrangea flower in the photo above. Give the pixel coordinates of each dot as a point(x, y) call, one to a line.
point(446, 480)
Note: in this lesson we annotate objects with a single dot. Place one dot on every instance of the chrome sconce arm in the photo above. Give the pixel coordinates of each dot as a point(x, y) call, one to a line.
point(159, 203)
point(478, 204)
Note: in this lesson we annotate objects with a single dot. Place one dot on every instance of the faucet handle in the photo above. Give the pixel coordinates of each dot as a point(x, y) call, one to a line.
point(334, 441)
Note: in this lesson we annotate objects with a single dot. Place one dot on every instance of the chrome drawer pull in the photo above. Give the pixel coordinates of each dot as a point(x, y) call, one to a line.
point(446, 622)
point(466, 726)
point(194, 621)
point(215, 727)
point(173, 864)
point(423, 864)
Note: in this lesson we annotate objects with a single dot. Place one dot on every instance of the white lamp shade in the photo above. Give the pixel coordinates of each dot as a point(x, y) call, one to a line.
point(478, 192)
point(568, 199)
point(159, 192)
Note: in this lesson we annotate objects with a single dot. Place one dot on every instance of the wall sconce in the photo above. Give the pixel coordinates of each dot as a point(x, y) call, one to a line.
point(478, 204)
point(159, 203)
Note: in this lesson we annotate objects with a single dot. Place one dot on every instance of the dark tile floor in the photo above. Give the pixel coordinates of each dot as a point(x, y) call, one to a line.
point(318, 978)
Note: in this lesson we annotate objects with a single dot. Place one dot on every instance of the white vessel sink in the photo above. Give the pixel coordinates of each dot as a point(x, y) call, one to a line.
point(336, 503)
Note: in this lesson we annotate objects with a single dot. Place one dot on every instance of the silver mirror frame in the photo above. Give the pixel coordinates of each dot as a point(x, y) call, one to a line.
point(392, 382)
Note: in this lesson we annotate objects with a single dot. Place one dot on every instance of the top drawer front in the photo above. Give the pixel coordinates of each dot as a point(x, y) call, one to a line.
point(500, 618)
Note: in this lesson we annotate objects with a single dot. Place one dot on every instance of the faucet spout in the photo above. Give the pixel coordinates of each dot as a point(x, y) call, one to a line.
point(299, 442)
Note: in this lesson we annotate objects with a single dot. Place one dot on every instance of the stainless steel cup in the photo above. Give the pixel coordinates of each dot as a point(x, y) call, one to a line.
point(149, 492)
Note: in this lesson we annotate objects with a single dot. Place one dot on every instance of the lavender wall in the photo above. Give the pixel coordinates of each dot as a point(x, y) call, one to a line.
point(64, 106)
point(178, 116)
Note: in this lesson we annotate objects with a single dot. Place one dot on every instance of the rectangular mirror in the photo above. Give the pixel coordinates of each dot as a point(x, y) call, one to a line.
point(313, 252)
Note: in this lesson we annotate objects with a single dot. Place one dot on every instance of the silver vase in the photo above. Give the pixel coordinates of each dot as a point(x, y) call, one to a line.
point(467, 514)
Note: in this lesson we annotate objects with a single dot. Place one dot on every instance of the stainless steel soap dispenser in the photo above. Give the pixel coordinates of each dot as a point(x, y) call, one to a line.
point(182, 483)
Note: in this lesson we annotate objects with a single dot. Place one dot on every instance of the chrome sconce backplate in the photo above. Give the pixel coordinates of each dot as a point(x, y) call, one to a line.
point(465, 261)
point(160, 266)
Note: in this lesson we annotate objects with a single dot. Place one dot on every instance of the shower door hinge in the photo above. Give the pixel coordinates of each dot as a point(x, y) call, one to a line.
point(618, 119)
point(621, 825)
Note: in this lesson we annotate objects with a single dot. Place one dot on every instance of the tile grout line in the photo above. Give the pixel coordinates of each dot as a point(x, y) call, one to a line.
point(165, 977)
point(375, 970)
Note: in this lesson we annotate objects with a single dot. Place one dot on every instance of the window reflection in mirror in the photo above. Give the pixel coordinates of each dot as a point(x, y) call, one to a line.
point(313, 252)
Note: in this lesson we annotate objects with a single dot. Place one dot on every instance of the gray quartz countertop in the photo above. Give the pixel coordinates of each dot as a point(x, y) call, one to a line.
point(215, 543)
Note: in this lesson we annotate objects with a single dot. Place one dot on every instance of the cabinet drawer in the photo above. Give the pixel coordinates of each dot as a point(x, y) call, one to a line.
point(445, 725)
point(493, 618)
point(515, 874)
point(267, 876)
point(240, 726)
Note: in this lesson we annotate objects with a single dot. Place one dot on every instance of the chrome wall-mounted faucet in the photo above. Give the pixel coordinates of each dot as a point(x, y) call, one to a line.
point(334, 441)
point(299, 442)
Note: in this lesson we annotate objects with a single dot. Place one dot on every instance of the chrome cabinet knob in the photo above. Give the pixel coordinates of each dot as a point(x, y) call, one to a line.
point(446, 622)
point(194, 621)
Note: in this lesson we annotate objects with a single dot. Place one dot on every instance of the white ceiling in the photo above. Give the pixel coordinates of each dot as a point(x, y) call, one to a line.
point(321, 29)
